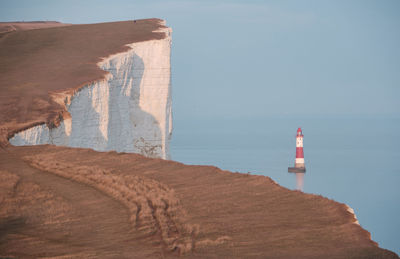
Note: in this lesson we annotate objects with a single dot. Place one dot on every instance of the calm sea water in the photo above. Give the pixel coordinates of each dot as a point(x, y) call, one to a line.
point(353, 160)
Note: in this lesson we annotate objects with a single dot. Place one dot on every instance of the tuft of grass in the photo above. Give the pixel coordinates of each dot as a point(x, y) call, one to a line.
point(154, 208)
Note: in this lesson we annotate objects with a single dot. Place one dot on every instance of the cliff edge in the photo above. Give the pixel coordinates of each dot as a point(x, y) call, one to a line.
point(58, 201)
point(102, 86)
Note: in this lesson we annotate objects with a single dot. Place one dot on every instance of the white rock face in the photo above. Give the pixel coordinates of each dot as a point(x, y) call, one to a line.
point(349, 209)
point(130, 111)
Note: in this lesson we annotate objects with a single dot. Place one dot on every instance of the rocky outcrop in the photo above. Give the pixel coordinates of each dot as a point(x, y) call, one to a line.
point(128, 111)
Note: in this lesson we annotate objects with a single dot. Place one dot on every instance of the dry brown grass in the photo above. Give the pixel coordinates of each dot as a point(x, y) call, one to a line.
point(37, 66)
point(6, 27)
point(21, 199)
point(153, 206)
point(45, 215)
point(213, 213)
point(25, 205)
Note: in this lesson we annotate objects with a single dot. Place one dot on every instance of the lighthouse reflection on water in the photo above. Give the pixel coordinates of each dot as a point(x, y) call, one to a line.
point(299, 168)
point(299, 181)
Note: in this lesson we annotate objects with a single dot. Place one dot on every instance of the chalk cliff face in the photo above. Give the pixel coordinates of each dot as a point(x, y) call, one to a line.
point(128, 111)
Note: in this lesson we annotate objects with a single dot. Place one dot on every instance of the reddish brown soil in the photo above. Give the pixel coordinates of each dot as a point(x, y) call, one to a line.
point(36, 63)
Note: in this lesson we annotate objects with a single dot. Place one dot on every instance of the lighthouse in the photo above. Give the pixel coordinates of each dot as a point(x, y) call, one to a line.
point(299, 162)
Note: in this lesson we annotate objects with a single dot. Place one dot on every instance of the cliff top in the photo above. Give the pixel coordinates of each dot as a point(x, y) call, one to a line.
point(34, 63)
point(121, 205)
point(6, 27)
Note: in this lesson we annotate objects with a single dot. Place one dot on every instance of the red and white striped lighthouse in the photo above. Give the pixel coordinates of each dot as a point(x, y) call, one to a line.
point(299, 162)
point(299, 150)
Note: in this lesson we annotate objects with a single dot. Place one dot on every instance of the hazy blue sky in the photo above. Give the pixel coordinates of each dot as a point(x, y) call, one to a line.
point(260, 58)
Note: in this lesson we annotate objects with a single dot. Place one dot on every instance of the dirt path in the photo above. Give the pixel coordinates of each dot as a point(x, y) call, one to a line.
point(96, 226)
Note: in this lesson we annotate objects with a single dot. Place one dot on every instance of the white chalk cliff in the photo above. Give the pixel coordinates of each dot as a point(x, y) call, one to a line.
point(129, 111)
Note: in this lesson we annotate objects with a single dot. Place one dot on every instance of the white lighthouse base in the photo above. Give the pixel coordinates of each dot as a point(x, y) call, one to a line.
point(299, 165)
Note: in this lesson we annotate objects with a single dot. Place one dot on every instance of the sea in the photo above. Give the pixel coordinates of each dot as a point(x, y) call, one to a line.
point(350, 159)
